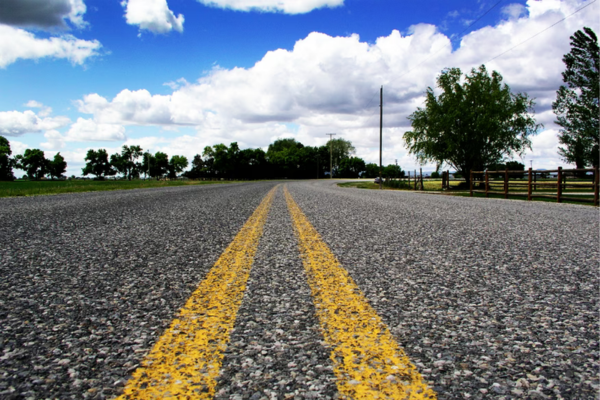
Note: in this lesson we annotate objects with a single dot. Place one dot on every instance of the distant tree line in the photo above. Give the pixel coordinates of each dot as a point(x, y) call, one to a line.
point(32, 161)
point(132, 163)
point(285, 158)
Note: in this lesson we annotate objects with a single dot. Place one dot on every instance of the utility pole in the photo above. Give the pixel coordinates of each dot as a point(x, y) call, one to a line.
point(380, 133)
point(330, 154)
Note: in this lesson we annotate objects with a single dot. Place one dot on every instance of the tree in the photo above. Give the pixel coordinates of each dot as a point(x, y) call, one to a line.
point(98, 164)
point(196, 171)
point(6, 163)
point(159, 165)
point(473, 124)
point(126, 162)
point(392, 171)
point(372, 170)
point(57, 167)
point(144, 166)
point(340, 149)
point(176, 165)
point(34, 163)
point(351, 167)
point(576, 105)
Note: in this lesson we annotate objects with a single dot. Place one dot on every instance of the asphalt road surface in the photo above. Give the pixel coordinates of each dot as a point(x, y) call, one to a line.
point(468, 298)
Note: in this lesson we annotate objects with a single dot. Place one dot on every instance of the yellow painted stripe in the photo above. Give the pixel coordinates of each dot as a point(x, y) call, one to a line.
point(185, 361)
point(368, 362)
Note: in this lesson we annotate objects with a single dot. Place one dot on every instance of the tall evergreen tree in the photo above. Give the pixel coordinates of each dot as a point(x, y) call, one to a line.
point(576, 105)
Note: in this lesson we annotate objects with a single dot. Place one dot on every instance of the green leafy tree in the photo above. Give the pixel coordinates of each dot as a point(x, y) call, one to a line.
point(159, 166)
point(127, 163)
point(392, 171)
point(57, 167)
point(372, 170)
point(576, 105)
point(6, 163)
point(144, 165)
point(97, 164)
point(253, 164)
point(511, 166)
point(340, 150)
point(209, 162)
point(351, 167)
point(473, 124)
point(34, 163)
point(196, 171)
point(176, 165)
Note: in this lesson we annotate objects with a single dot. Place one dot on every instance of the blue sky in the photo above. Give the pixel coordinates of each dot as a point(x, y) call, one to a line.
point(177, 75)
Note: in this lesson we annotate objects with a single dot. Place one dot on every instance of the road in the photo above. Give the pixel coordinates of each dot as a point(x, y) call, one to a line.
point(473, 298)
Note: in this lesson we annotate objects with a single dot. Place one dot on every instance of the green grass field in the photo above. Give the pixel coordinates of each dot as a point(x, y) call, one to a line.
point(36, 188)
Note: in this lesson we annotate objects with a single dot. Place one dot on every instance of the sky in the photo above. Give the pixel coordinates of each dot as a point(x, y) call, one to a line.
point(178, 75)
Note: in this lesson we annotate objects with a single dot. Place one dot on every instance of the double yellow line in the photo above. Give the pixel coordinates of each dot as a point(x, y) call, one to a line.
point(368, 362)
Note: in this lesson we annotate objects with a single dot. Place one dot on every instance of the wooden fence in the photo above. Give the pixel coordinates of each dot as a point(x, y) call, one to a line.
point(560, 185)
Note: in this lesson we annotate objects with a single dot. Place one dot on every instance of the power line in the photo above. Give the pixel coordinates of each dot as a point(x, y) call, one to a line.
point(540, 32)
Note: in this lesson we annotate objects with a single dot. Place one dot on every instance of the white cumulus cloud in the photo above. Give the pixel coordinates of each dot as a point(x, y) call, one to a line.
point(16, 123)
point(331, 84)
point(284, 6)
point(17, 44)
point(152, 15)
point(85, 130)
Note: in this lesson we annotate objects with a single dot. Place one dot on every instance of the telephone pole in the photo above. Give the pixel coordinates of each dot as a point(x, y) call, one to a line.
point(380, 133)
point(330, 154)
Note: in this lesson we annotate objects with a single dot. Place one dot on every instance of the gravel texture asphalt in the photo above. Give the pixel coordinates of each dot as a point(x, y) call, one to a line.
point(491, 299)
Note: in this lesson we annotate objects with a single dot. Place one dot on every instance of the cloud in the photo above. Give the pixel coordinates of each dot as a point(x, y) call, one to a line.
point(42, 14)
point(331, 84)
point(514, 11)
point(152, 15)
point(284, 6)
point(19, 44)
point(16, 123)
point(55, 141)
point(44, 110)
point(85, 130)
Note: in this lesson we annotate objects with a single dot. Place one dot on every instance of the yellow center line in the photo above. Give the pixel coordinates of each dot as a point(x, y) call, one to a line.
point(185, 361)
point(368, 362)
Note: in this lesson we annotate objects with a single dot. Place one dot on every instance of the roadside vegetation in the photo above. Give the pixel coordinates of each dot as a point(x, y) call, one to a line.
point(35, 188)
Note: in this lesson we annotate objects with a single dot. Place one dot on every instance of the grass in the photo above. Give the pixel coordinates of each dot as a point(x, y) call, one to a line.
point(589, 197)
point(436, 186)
point(36, 188)
point(427, 185)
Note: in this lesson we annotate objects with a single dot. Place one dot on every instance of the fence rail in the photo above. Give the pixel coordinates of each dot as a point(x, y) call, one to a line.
point(503, 187)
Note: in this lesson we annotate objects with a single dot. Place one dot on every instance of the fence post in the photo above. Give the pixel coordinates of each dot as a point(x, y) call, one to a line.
point(506, 183)
point(559, 185)
point(448, 180)
point(535, 180)
point(421, 174)
point(416, 179)
point(596, 170)
point(471, 183)
point(529, 186)
point(487, 183)
point(409, 179)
